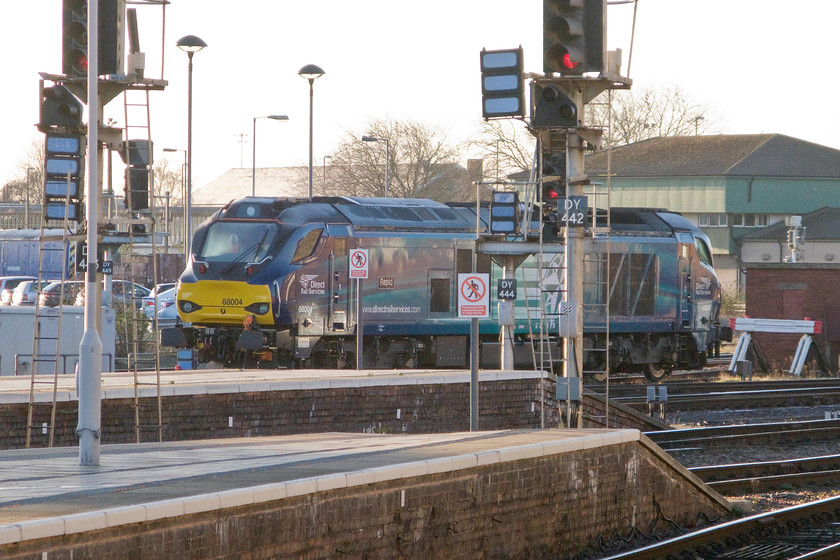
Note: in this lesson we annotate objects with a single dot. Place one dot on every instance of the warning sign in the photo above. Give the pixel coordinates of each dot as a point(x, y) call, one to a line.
point(359, 263)
point(473, 295)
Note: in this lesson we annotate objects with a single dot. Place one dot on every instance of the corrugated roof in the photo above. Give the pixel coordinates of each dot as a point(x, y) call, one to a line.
point(819, 224)
point(270, 181)
point(751, 155)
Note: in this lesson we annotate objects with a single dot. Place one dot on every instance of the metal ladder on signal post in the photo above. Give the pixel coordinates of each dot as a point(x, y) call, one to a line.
point(597, 283)
point(534, 281)
point(601, 227)
point(138, 112)
point(46, 348)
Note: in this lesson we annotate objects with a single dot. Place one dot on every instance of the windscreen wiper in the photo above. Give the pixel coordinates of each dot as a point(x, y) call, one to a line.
point(247, 251)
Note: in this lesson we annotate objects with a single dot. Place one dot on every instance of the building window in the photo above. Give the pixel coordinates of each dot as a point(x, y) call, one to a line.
point(712, 219)
point(749, 220)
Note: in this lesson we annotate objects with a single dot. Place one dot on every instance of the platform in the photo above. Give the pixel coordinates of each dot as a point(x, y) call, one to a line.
point(149, 489)
point(206, 381)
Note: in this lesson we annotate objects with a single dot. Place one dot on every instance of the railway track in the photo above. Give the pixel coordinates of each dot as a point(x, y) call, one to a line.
point(736, 394)
point(746, 434)
point(808, 531)
point(745, 478)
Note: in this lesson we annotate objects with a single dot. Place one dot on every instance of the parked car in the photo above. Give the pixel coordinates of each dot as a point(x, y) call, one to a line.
point(6, 297)
point(167, 315)
point(49, 296)
point(121, 294)
point(8, 284)
point(27, 292)
point(148, 304)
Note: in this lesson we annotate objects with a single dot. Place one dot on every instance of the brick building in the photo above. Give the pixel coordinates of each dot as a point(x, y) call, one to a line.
point(784, 281)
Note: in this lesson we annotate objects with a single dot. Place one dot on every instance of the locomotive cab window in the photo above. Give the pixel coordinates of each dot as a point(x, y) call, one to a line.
point(307, 245)
point(237, 241)
point(703, 251)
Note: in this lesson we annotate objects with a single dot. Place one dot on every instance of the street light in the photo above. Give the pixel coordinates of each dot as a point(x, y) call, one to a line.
point(29, 171)
point(310, 72)
point(387, 158)
point(324, 176)
point(697, 119)
point(254, 147)
point(183, 192)
point(190, 44)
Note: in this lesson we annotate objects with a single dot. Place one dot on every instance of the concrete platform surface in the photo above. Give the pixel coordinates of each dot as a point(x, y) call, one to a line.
point(46, 492)
point(15, 389)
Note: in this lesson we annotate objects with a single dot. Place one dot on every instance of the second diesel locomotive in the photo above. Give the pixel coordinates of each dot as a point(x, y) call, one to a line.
point(269, 279)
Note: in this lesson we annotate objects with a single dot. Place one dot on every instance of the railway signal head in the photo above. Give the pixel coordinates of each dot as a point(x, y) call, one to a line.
point(504, 213)
point(502, 89)
point(74, 33)
point(553, 108)
point(573, 36)
point(553, 180)
point(138, 156)
point(59, 108)
point(74, 59)
point(64, 173)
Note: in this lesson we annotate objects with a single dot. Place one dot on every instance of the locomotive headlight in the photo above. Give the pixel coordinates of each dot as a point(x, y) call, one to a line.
point(258, 308)
point(188, 306)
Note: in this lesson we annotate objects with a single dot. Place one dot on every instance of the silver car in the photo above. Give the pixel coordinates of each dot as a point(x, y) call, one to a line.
point(7, 286)
point(148, 304)
point(26, 293)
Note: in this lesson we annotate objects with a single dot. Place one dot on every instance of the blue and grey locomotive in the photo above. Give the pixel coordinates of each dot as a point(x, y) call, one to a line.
point(269, 279)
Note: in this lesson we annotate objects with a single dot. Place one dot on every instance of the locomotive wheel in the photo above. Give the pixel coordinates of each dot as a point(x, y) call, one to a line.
point(655, 372)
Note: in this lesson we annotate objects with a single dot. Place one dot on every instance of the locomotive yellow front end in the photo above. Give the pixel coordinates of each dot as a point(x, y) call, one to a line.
point(224, 302)
point(229, 274)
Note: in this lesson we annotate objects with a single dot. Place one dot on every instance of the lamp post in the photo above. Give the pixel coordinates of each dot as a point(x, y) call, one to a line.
point(183, 193)
point(310, 72)
point(387, 159)
point(324, 176)
point(190, 44)
point(29, 171)
point(697, 119)
point(254, 148)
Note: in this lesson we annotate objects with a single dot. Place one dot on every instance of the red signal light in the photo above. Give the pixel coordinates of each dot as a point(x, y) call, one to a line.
point(81, 63)
point(75, 62)
point(567, 62)
point(551, 193)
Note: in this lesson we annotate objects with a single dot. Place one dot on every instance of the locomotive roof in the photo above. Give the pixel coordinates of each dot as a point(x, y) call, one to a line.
point(409, 214)
point(404, 213)
point(416, 214)
point(645, 220)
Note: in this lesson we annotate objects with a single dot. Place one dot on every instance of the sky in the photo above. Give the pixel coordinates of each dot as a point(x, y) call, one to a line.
point(760, 66)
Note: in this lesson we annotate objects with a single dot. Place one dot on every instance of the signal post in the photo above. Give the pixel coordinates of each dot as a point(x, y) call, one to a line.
point(576, 68)
point(92, 71)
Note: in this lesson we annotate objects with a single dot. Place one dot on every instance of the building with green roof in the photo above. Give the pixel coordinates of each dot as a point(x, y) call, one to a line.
point(729, 185)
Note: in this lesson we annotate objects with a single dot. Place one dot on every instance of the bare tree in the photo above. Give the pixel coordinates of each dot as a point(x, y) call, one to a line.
point(169, 180)
point(30, 177)
point(505, 146)
point(422, 163)
point(648, 113)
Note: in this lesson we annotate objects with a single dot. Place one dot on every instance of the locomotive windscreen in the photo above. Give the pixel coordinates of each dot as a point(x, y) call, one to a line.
point(237, 241)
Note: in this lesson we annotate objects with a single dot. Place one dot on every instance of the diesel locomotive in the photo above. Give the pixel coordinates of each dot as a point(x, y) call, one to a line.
point(269, 281)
